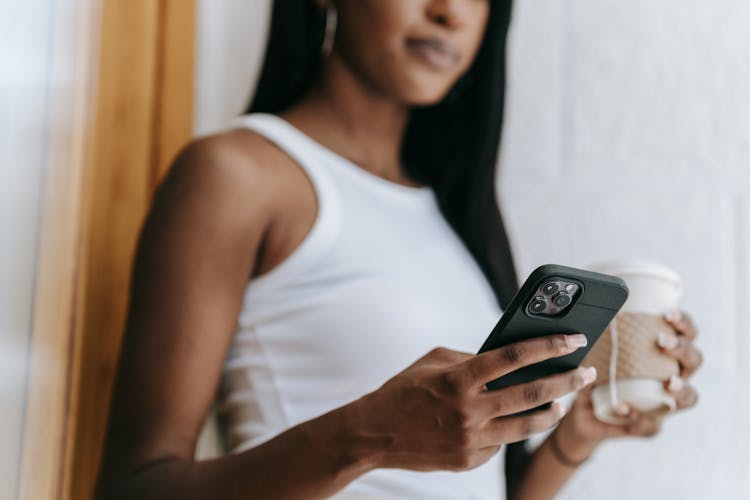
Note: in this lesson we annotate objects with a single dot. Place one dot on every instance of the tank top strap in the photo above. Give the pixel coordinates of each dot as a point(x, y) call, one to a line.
point(328, 218)
point(298, 146)
point(327, 163)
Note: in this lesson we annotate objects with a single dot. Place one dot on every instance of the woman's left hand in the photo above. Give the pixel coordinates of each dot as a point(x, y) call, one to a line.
point(581, 424)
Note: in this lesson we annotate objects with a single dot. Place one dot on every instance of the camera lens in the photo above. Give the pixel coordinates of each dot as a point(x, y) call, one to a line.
point(550, 288)
point(562, 300)
point(539, 304)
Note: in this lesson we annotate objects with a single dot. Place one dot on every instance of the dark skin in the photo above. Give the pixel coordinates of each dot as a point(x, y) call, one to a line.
point(232, 207)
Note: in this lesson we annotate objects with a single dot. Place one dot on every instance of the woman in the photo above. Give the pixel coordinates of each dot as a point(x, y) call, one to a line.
point(305, 257)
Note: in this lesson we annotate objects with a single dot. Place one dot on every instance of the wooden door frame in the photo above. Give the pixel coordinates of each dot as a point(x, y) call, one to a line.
point(121, 129)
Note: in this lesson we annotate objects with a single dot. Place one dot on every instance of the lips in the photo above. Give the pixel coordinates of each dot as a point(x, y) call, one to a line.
point(434, 52)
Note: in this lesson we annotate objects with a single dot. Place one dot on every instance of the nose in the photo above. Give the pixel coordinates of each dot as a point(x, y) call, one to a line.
point(447, 13)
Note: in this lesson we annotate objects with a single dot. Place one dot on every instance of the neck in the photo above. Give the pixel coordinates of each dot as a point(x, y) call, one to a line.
point(354, 120)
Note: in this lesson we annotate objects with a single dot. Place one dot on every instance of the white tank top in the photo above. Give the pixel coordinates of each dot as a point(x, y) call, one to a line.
point(379, 280)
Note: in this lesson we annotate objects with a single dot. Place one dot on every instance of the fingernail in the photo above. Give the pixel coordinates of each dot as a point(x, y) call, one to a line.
point(675, 384)
point(577, 340)
point(667, 340)
point(622, 409)
point(673, 315)
point(588, 374)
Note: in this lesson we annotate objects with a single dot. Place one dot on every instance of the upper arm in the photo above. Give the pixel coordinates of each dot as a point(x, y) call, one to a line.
point(195, 253)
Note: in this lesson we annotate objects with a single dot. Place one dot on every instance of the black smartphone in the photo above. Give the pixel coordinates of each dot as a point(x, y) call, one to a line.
point(556, 299)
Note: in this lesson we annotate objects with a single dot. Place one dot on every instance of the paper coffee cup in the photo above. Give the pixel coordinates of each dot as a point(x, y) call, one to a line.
point(631, 367)
point(654, 288)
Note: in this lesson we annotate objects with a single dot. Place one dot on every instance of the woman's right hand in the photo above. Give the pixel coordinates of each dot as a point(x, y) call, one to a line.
point(437, 414)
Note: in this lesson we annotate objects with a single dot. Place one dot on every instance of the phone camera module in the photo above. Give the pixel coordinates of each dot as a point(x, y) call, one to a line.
point(538, 305)
point(562, 300)
point(550, 288)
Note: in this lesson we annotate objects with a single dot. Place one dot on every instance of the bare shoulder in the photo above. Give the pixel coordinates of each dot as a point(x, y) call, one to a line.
point(241, 149)
point(233, 176)
point(238, 182)
point(236, 161)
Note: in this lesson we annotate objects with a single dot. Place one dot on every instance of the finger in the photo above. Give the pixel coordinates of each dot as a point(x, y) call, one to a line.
point(685, 395)
point(520, 397)
point(643, 425)
point(607, 429)
point(682, 322)
point(512, 429)
point(493, 364)
point(683, 349)
point(585, 399)
point(614, 430)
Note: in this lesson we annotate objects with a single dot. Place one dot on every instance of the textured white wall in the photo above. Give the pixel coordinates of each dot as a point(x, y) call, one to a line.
point(229, 52)
point(627, 136)
point(27, 93)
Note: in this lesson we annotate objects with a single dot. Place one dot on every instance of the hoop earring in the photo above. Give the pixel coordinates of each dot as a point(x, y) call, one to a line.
point(329, 33)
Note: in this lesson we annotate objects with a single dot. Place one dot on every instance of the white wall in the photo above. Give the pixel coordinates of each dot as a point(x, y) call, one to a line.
point(229, 52)
point(25, 90)
point(627, 136)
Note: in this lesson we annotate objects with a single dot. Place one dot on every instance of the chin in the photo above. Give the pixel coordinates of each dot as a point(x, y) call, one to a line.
point(424, 95)
point(422, 88)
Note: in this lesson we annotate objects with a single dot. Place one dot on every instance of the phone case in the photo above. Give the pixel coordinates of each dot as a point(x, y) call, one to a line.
point(595, 305)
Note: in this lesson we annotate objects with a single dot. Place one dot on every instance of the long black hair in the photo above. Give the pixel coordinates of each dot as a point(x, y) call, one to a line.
point(451, 146)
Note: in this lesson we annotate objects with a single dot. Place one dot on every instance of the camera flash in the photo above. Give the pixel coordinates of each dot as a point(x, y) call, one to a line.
point(570, 288)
